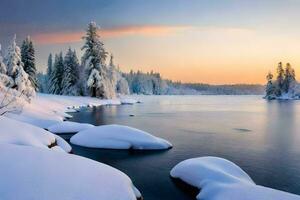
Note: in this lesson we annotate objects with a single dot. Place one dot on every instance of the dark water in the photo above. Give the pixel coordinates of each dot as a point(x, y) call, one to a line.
point(262, 137)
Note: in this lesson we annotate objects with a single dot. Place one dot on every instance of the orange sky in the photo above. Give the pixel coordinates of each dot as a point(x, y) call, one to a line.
point(205, 54)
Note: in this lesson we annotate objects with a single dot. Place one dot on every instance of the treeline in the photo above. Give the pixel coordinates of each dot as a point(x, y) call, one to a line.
point(152, 83)
point(93, 76)
point(146, 83)
point(233, 89)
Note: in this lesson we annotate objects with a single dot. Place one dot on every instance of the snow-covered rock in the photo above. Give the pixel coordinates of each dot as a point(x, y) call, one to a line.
point(128, 101)
point(221, 179)
point(19, 133)
point(118, 137)
point(69, 127)
point(30, 173)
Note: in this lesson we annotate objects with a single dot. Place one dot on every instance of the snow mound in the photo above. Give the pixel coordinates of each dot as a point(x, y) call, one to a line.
point(69, 127)
point(30, 173)
point(128, 101)
point(221, 179)
point(62, 144)
point(118, 137)
point(15, 132)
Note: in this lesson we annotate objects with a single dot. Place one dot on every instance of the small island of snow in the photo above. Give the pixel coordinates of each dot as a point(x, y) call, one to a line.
point(221, 179)
point(119, 137)
point(68, 127)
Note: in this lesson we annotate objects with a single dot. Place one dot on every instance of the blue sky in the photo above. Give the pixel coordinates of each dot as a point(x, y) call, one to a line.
point(257, 24)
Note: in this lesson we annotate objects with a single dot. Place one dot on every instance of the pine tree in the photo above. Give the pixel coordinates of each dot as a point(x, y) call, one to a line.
point(12, 59)
point(270, 89)
point(16, 72)
point(118, 82)
point(47, 78)
point(94, 61)
point(57, 75)
point(50, 65)
point(289, 78)
point(112, 75)
point(28, 59)
point(280, 79)
point(71, 74)
point(2, 65)
point(4, 79)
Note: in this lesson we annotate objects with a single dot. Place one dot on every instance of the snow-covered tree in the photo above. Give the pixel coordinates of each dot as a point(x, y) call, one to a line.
point(122, 85)
point(285, 86)
point(57, 75)
point(280, 79)
point(270, 88)
point(5, 81)
point(23, 84)
point(146, 83)
point(3, 69)
point(112, 71)
point(98, 83)
point(289, 78)
point(49, 65)
point(12, 59)
point(16, 72)
point(28, 59)
point(71, 74)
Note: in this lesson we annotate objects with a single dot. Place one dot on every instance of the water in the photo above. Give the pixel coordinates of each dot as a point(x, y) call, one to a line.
point(262, 137)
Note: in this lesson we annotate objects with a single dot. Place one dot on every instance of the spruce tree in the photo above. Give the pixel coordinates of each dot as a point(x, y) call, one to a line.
point(280, 79)
point(28, 59)
point(289, 78)
point(57, 75)
point(4, 79)
point(94, 62)
point(2, 65)
point(71, 74)
point(270, 89)
point(16, 72)
point(49, 65)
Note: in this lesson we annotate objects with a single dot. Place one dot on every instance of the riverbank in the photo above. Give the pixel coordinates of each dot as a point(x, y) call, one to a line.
point(196, 125)
point(32, 157)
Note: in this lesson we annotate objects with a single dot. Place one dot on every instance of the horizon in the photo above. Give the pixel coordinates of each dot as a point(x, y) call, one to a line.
point(216, 42)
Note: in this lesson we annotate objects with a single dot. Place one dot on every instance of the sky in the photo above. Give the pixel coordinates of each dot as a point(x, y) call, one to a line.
point(207, 41)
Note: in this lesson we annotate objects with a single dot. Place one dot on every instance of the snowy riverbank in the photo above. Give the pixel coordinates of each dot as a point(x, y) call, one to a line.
point(50, 168)
point(30, 153)
point(46, 110)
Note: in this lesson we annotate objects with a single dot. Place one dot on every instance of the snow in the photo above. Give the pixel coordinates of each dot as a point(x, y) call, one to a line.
point(62, 144)
point(128, 101)
point(46, 109)
point(68, 127)
point(15, 132)
point(118, 137)
point(221, 179)
point(29, 173)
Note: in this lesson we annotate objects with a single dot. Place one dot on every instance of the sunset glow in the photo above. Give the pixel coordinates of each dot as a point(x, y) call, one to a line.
point(196, 41)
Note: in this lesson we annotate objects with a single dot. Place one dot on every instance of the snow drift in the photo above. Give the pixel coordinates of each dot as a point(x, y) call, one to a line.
point(221, 179)
point(69, 127)
point(15, 132)
point(118, 137)
point(46, 110)
point(29, 173)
